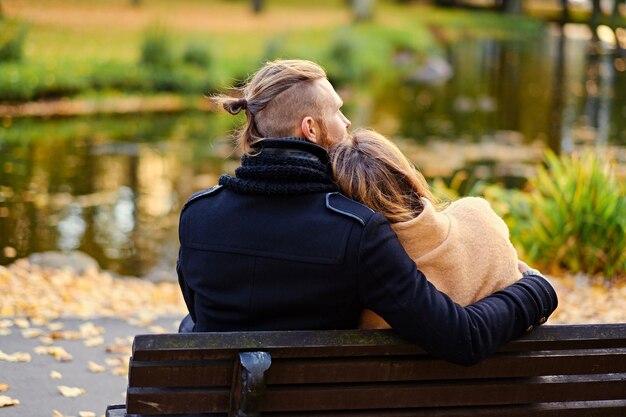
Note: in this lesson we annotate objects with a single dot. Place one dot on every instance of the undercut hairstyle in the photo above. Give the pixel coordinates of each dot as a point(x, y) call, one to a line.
point(276, 99)
point(370, 168)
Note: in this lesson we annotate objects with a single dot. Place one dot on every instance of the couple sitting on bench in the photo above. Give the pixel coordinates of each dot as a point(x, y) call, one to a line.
point(321, 229)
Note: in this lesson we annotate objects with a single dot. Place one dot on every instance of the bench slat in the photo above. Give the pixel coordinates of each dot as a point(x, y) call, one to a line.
point(151, 401)
point(514, 391)
point(355, 342)
point(575, 409)
point(409, 368)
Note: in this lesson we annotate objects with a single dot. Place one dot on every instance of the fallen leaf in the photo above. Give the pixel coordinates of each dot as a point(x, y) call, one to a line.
point(15, 357)
point(55, 327)
point(55, 375)
point(71, 391)
point(66, 335)
point(7, 401)
point(45, 340)
point(120, 346)
point(4, 387)
point(5, 323)
point(5, 332)
point(119, 371)
point(58, 352)
point(95, 368)
point(31, 332)
point(22, 323)
point(113, 361)
point(38, 320)
point(86, 414)
point(94, 341)
point(88, 330)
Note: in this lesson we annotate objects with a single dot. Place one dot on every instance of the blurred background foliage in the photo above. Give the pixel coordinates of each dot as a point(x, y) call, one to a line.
point(504, 99)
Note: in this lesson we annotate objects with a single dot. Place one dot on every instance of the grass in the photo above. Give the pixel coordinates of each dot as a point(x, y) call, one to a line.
point(74, 39)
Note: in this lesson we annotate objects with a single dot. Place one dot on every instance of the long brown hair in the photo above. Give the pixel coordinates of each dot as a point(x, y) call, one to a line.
point(370, 168)
point(273, 107)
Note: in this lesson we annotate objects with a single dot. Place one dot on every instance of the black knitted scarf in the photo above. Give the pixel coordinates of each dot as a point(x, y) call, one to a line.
point(284, 167)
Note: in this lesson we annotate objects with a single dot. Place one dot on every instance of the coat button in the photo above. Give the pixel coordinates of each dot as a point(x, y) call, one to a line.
point(542, 320)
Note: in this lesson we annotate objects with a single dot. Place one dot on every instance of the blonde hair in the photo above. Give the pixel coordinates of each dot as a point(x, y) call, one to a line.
point(369, 168)
point(273, 107)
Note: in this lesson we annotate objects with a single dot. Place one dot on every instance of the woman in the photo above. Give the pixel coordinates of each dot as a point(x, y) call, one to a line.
point(464, 249)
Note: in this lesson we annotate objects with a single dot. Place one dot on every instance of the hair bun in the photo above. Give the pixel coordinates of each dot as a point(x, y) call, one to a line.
point(235, 106)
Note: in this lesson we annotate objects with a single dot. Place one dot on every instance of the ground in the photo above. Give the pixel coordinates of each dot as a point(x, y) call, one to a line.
point(66, 337)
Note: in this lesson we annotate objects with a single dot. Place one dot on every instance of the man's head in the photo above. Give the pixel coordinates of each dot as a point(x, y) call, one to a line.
point(289, 98)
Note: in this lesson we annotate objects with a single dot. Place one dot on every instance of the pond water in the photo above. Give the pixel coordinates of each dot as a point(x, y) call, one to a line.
point(112, 186)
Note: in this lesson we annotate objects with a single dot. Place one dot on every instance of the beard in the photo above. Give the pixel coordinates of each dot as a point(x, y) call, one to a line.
point(325, 142)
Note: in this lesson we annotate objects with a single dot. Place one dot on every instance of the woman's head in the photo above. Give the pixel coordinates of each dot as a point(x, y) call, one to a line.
point(369, 168)
point(278, 97)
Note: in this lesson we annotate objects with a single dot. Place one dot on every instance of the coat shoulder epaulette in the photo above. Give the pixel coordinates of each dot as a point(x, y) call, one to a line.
point(201, 194)
point(343, 205)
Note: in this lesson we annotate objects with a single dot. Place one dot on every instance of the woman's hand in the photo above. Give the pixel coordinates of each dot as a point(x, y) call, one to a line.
point(527, 270)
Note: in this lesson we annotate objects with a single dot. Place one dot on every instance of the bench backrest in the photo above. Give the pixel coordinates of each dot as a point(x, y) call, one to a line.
point(559, 370)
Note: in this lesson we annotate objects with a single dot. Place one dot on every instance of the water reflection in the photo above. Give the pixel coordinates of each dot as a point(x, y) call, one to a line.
point(113, 186)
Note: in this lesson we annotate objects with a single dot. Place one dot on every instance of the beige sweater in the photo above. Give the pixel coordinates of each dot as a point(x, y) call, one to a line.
point(463, 250)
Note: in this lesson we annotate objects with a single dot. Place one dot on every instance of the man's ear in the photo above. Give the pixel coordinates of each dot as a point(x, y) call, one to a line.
point(309, 129)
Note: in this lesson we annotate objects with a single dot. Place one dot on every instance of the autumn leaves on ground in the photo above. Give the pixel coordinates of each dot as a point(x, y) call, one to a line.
point(37, 300)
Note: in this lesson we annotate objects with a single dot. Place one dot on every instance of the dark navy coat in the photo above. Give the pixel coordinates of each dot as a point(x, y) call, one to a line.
point(315, 261)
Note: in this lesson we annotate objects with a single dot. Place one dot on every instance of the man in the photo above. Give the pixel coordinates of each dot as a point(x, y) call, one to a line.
point(277, 247)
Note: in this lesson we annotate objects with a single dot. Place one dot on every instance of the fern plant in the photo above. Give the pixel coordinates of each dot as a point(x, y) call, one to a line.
point(573, 215)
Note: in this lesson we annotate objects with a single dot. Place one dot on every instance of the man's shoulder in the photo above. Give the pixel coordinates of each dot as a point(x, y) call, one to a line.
point(345, 206)
point(201, 195)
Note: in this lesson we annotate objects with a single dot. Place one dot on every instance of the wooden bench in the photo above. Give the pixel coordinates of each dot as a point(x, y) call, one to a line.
point(556, 370)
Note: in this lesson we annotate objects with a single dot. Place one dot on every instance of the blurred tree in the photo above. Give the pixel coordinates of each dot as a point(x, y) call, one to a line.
point(1, 12)
point(447, 3)
point(616, 4)
point(257, 6)
point(135, 3)
point(565, 16)
point(595, 14)
point(512, 6)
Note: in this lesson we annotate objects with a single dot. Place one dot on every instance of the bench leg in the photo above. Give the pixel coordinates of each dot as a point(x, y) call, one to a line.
point(249, 384)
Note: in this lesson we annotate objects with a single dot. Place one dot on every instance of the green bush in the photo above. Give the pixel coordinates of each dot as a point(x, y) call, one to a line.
point(119, 76)
point(197, 55)
point(21, 82)
point(573, 216)
point(12, 36)
point(156, 49)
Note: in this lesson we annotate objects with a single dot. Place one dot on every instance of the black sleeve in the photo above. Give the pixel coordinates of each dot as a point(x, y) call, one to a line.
point(393, 287)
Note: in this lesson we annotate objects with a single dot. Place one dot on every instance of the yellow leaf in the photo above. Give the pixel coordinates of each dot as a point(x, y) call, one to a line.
point(86, 414)
point(113, 361)
point(31, 332)
point(94, 367)
point(70, 391)
point(94, 341)
point(15, 357)
point(22, 323)
point(7, 401)
point(57, 352)
point(90, 330)
point(55, 327)
point(55, 375)
point(4, 387)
